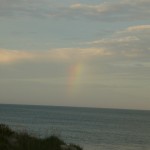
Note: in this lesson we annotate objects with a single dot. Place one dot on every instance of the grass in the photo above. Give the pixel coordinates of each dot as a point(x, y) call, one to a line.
point(12, 140)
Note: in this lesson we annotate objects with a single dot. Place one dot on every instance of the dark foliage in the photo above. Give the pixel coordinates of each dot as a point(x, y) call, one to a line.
point(11, 140)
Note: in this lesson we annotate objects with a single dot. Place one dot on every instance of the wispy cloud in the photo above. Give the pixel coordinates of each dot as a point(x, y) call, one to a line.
point(127, 42)
point(107, 11)
point(105, 7)
point(61, 54)
point(138, 28)
point(7, 56)
point(121, 40)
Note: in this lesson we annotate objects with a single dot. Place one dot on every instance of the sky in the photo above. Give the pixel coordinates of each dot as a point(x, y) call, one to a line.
point(78, 53)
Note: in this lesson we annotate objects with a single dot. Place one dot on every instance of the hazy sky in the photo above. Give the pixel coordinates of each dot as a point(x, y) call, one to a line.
point(93, 53)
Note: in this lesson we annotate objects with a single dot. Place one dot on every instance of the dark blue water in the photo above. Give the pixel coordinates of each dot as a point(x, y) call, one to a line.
point(93, 129)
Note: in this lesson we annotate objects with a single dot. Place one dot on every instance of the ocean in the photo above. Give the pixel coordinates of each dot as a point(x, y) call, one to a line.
point(91, 128)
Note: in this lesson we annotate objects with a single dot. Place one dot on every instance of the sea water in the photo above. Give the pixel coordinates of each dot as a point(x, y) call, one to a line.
point(91, 128)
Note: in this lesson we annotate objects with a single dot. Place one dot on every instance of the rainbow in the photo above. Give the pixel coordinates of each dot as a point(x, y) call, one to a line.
point(75, 73)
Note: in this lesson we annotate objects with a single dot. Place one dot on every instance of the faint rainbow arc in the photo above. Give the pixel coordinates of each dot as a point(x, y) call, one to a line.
point(75, 74)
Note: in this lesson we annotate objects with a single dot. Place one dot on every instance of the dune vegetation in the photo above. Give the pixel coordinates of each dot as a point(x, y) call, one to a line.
point(13, 140)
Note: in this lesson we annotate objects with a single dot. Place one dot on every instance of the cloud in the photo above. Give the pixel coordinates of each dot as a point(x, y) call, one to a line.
point(61, 54)
point(133, 41)
point(25, 8)
point(128, 42)
point(121, 40)
point(7, 56)
point(138, 28)
point(92, 8)
point(107, 11)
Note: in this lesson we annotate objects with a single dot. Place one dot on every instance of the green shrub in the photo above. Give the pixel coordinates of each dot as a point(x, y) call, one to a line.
point(5, 130)
point(11, 140)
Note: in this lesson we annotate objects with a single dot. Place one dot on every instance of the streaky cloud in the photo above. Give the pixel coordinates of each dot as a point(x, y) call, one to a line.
point(122, 10)
point(138, 28)
point(132, 41)
point(126, 39)
point(61, 54)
